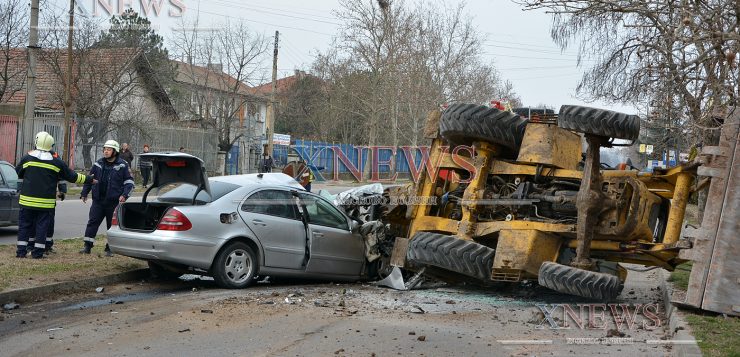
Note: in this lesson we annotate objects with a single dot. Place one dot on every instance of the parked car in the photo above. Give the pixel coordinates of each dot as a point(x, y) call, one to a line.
point(8, 195)
point(235, 228)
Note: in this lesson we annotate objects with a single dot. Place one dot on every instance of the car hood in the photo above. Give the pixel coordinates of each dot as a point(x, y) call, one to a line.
point(176, 167)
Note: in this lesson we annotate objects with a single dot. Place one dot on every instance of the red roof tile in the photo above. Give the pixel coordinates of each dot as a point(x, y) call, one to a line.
point(104, 65)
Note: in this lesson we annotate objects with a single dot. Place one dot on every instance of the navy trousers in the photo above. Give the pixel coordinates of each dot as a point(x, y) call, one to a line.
point(49, 233)
point(38, 220)
point(98, 212)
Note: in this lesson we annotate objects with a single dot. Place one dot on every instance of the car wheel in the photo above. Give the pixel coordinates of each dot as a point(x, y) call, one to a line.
point(235, 266)
point(159, 272)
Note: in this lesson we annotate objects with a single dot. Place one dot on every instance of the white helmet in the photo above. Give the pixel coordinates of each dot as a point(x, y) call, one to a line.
point(44, 141)
point(113, 145)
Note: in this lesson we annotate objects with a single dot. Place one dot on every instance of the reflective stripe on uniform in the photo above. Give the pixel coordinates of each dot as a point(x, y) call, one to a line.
point(98, 165)
point(37, 202)
point(42, 165)
point(88, 239)
point(22, 243)
point(39, 245)
point(128, 182)
point(80, 179)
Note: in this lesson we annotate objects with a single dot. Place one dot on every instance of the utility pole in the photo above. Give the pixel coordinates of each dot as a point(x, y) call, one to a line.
point(68, 86)
point(26, 124)
point(271, 107)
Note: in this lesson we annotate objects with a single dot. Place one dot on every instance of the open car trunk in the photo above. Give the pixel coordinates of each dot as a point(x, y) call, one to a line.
point(141, 216)
point(167, 168)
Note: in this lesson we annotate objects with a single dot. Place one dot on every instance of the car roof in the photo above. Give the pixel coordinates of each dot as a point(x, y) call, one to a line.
point(265, 179)
point(5, 162)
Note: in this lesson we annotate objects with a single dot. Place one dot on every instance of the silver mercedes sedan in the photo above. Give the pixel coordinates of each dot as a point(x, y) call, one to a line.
point(235, 228)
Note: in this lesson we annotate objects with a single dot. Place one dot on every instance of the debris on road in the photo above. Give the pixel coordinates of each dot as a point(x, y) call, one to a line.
point(55, 329)
point(11, 306)
point(206, 311)
point(99, 290)
point(185, 330)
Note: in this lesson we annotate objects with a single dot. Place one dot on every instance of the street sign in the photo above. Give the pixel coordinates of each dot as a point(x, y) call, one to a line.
point(281, 139)
point(648, 149)
point(642, 148)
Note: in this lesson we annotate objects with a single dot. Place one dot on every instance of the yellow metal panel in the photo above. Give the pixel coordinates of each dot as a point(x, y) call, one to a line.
point(525, 251)
point(486, 228)
point(507, 168)
point(547, 144)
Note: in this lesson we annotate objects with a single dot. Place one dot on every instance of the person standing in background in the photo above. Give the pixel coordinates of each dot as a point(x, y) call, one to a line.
point(145, 166)
point(127, 155)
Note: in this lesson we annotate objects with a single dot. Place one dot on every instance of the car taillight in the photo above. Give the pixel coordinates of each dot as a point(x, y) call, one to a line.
point(114, 221)
point(174, 220)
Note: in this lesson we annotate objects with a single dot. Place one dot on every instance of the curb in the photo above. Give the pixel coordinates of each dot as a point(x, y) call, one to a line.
point(40, 292)
point(678, 328)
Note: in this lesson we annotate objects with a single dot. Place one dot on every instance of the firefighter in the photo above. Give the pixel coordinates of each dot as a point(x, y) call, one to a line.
point(61, 194)
point(115, 186)
point(40, 172)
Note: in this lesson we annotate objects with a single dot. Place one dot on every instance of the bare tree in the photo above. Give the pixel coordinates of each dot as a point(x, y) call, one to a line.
point(395, 61)
point(14, 15)
point(678, 56)
point(106, 82)
point(216, 93)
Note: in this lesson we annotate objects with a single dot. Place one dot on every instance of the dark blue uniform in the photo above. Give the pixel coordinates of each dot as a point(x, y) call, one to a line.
point(62, 188)
point(41, 172)
point(114, 181)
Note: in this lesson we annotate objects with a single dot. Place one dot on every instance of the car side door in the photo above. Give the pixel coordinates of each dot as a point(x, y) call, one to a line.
point(334, 249)
point(8, 194)
point(273, 216)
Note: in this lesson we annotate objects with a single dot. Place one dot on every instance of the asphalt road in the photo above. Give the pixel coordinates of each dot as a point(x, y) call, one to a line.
point(72, 215)
point(194, 318)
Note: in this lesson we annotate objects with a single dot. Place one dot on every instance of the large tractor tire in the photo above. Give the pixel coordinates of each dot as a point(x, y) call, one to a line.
point(451, 254)
point(600, 122)
point(463, 124)
point(589, 284)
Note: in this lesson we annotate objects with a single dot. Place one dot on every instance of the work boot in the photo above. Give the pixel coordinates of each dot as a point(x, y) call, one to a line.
point(37, 253)
point(108, 253)
point(50, 250)
point(87, 248)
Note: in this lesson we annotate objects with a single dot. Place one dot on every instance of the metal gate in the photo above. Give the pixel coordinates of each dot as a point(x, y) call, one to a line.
point(8, 133)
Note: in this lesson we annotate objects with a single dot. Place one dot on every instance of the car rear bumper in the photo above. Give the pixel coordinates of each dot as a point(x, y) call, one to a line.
point(166, 246)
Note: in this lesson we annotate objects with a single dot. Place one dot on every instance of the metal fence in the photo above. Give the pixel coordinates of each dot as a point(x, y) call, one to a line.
point(197, 142)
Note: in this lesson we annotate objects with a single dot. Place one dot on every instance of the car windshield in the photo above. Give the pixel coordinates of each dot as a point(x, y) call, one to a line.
point(184, 193)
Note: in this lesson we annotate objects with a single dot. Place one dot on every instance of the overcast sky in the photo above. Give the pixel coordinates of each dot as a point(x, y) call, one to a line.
point(517, 42)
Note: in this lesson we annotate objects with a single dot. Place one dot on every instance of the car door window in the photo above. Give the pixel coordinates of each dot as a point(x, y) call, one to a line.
point(9, 177)
point(323, 213)
point(271, 202)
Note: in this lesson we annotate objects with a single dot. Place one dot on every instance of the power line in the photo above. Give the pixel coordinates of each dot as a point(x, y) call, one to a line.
point(530, 45)
point(537, 58)
point(265, 23)
point(231, 4)
point(531, 50)
point(532, 68)
point(291, 10)
point(545, 77)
